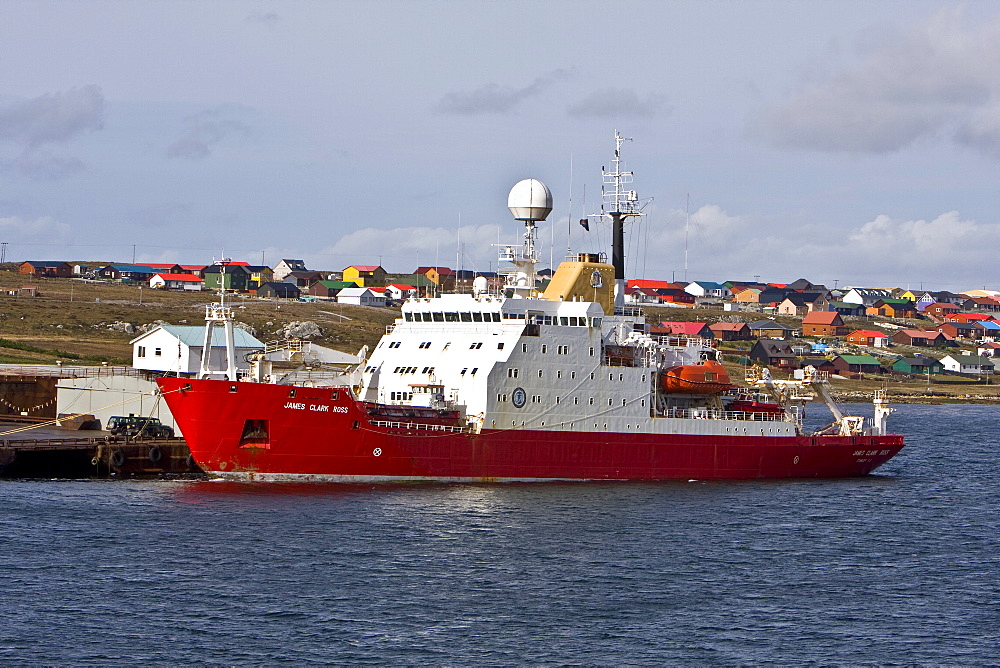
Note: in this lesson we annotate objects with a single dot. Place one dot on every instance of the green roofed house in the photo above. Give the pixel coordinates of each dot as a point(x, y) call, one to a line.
point(918, 365)
point(330, 289)
point(854, 364)
point(968, 364)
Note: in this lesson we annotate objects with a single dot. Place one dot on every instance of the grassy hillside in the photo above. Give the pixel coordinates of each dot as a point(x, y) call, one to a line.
point(72, 317)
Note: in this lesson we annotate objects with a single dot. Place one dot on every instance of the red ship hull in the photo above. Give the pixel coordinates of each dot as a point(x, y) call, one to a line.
point(280, 432)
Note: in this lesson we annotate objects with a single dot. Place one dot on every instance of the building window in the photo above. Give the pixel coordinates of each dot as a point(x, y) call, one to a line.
point(157, 352)
point(142, 351)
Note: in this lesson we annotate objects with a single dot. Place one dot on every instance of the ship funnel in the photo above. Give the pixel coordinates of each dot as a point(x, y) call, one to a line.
point(530, 200)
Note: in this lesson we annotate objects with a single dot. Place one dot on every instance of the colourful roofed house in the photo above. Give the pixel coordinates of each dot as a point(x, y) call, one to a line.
point(365, 275)
point(927, 366)
point(687, 329)
point(916, 337)
point(892, 308)
point(869, 337)
point(938, 310)
point(443, 277)
point(856, 364)
point(823, 323)
point(731, 331)
point(46, 269)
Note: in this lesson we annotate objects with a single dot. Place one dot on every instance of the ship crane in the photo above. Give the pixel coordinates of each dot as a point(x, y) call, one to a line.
point(809, 385)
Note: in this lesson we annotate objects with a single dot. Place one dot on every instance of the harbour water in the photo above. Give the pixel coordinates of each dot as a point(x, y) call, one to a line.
point(900, 567)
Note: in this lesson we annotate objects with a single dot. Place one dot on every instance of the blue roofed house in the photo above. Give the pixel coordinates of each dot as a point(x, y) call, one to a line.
point(178, 349)
point(706, 289)
point(127, 272)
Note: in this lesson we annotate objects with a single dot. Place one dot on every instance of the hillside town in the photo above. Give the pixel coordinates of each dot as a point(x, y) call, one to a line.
point(853, 332)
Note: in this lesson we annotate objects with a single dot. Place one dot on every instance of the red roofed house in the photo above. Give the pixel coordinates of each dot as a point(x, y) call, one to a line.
point(689, 329)
point(939, 310)
point(166, 281)
point(915, 337)
point(398, 291)
point(967, 317)
point(823, 323)
point(869, 337)
point(443, 277)
point(731, 331)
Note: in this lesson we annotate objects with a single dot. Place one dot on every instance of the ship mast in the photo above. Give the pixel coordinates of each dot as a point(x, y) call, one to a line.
point(219, 315)
point(530, 201)
point(621, 204)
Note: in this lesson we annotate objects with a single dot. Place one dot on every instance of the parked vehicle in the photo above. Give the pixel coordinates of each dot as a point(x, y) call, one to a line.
point(134, 426)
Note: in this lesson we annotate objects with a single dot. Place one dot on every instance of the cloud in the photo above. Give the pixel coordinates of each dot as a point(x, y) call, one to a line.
point(205, 130)
point(495, 99)
point(43, 230)
point(270, 19)
point(942, 78)
point(42, 165)
point(54, 117)
point(619, 103)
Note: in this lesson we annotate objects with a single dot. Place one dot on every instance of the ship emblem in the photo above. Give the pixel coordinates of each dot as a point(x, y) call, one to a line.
point(518, 397)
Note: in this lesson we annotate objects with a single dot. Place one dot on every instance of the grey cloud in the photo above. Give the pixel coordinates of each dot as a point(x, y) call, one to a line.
point(53, 117)
point(619, 103)
point(204, 131)
point(40, 165)
point(269, 19)
point(905, 89)
point(495, 99)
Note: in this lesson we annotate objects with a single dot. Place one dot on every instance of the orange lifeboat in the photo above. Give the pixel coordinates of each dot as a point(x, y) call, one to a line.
point(705, 377)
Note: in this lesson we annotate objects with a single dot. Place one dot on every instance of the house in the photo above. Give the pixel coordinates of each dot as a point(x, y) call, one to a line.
point(329, 289)
point(167, 281)
point(365, 275)
point(927, 366)
point(160, 267)
point(960, 330)
point(938, 310)
point(967, 317)
point(968, 364)
point(690, 330)
point(285, 267)
point(800, 303)
point(178, 349)
point(228, 277)
point(770, 352)
point(196, 269)
point(866, 296)
point(303, 279)
point(46, 269)
point(747, 295)
point(731, 331)
point(802, 285)
point(855, 364)
point(823, 323)
point(259, 275)
point(916, 337)
point(464, 278)
point(361, 297)
point(981, 304)
point(892, 308)
point(442, 277)
point(847, 308)
point(397, 292)
point(127, 273)
point(279, 290)
point(869, 337)
point(989, 349)
point(705, 289)
point(769, 329)
point(990, 331)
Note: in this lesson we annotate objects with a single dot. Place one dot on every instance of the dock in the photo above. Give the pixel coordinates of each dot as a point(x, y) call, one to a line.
point(94, 457)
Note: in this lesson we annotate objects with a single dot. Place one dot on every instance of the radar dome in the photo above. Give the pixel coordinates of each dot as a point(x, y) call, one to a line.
point(530, 199)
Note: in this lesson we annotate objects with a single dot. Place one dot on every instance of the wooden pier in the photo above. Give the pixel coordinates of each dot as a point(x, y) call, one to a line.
point(94, 457)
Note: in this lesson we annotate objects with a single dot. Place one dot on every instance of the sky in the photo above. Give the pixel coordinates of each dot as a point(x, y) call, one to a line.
point(849, 143)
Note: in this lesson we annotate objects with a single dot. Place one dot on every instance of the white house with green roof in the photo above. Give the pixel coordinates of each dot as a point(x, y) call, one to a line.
point(178, 349)
point(968, 364)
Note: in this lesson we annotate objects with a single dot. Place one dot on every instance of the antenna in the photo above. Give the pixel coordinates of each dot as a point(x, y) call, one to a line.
point(687, 223)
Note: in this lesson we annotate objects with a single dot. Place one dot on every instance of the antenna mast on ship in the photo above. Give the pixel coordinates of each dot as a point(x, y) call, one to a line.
point(217, 315)
point(623, 204)
point(530, 201)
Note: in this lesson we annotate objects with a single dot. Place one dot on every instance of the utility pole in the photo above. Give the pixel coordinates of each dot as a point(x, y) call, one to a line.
point(133, 253)
point(3, 251)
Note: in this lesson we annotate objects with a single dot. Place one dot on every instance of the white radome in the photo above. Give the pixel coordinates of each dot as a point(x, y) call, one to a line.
point(530, 199)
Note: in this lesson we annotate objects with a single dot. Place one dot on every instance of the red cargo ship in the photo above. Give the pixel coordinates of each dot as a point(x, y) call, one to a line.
point(509, 383)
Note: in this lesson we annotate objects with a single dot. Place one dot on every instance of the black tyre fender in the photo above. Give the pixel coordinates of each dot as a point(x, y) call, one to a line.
point(155, 454)
point(117, 458)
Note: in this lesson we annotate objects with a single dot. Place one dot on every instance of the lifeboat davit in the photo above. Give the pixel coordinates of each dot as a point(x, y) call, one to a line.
point(705, 377)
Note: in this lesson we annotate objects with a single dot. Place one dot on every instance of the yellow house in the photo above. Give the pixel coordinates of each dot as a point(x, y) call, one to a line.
point(365, 275)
